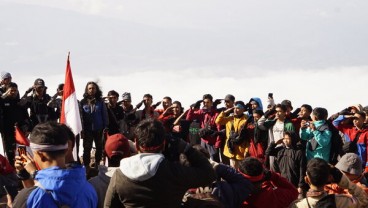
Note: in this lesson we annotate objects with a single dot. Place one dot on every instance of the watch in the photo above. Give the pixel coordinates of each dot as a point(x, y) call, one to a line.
point(33, 174)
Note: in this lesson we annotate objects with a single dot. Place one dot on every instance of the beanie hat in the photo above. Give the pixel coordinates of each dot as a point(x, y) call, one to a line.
point(126, 96)
point(5, 75)
point(117, 145)
point(350, 163)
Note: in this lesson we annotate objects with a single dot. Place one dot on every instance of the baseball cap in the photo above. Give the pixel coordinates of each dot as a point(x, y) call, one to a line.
point(39, 83)
point(126, 96)
point(350, 163)
point(117, 145)
point(287, 103)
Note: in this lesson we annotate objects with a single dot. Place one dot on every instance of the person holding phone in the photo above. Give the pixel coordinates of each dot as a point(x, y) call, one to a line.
point(55, 184)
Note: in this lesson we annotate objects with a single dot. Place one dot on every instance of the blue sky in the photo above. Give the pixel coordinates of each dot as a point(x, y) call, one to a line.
point(296, 49)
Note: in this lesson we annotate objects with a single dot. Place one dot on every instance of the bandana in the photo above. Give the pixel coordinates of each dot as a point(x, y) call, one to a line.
point(48, 147)
point(252, 178)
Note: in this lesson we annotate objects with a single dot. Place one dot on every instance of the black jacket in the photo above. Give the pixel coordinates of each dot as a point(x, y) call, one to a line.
point(290, 163)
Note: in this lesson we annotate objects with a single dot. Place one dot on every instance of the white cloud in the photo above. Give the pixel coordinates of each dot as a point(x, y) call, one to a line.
point(333, 89)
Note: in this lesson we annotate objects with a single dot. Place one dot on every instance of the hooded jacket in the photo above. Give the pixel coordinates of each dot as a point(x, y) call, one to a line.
point(58, 187)
point(150, 180)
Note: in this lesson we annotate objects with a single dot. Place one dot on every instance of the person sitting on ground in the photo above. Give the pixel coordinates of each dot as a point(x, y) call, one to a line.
point(159, 182)
point(116, 148)
point(350, 165)
point(271, 190)
point(55, 184)
point(318, 175)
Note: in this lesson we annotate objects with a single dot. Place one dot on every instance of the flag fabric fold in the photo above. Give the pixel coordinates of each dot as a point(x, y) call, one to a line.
point(70, 109)
point(20, 138)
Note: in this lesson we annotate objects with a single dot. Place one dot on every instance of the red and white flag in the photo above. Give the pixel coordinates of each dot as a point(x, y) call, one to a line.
point(20, 138)
point(70, 108)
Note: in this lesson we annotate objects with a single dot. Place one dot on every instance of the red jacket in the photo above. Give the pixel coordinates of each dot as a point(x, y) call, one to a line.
point(204, 117)
point(275, 193)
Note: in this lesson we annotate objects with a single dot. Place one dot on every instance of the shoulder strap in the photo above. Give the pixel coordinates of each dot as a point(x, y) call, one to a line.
point(357, 137)
point(323, 127)
point(232, 125)
point(306, 198)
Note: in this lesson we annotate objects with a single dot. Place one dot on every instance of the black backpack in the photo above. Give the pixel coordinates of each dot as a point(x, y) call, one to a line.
point(336, 142)
point(194, 137)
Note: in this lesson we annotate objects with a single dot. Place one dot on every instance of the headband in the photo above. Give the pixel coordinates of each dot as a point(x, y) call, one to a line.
point(239, 106)
point(252, 178)
point(48, 147)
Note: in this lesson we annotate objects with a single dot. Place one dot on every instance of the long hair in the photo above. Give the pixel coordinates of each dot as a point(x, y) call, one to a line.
point(98, 94)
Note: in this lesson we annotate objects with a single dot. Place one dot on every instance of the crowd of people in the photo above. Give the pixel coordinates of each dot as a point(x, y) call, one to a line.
point(239, 155)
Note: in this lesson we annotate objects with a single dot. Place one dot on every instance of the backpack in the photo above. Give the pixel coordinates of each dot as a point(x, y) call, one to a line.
point(194, 137)
point(336, 142)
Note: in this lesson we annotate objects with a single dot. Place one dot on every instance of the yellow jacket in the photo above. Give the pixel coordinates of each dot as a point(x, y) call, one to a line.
point(239, 150)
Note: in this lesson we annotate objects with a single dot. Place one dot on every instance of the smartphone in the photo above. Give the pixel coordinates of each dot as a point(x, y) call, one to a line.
point(22, 151)
point(270, 95)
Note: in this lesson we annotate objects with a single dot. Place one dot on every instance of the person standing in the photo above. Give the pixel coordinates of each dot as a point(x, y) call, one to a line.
point(209, 129)
point(94, 122)
point(12, 114)
point(37, 103)
point(236, 148)
point(115, 112)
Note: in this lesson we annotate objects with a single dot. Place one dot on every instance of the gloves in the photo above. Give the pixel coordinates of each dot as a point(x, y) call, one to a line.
point(29, 90)
point(139, 104)
point(216, 102)
point(205, 132)
point(248, 106)
point(346, 111)
point(270, 112)
point(336, 174)
point(197, 104)
point(333, 116)
point(154, 106)
point(295, 113)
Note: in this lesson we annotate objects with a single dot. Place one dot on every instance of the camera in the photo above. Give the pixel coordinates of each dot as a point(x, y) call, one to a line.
point(307, 124)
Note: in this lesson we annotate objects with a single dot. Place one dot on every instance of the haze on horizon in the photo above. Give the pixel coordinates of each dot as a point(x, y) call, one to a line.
point(307, 51)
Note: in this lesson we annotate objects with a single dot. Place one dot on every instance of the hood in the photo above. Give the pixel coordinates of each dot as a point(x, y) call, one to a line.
point(142, 166)
point(259, 101)
point(63, 183)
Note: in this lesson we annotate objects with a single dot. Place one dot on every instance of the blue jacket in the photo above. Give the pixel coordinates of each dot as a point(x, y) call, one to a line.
point(64, 187)
point(233, 189)
point(94, 117)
